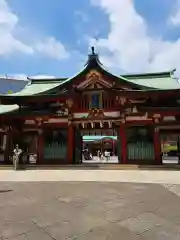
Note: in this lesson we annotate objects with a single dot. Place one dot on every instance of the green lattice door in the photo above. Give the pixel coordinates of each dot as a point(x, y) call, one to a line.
point(77, 154)
point(118, 146)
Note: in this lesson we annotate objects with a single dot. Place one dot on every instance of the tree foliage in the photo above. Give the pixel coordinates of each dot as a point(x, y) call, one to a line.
point(9, 92)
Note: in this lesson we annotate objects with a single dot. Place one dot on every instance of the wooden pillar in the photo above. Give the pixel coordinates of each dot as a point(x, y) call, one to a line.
point(178, 148)
point(70, 143)
point(123, 144)
point(4, 146)
point(113, 147)
point(40, 147)
point(8, 152)
point(102, 146)
point(157, 146)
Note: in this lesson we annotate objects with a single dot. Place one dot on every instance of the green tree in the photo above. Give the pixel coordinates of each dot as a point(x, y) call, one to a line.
point(9, 91)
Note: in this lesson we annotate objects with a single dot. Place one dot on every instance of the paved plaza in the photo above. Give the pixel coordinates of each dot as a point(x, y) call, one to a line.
point(39, 205)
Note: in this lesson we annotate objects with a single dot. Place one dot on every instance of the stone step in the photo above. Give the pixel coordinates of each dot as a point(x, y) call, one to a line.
point(103, 166)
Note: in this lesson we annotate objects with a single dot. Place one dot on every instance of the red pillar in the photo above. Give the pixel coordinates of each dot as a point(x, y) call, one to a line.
point(8, 148)
point(157, 146)
point(113, 147)
point(40, 144)
point(70, 143)
point(123, 144)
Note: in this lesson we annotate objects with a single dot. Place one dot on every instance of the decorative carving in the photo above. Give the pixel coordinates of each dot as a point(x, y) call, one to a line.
point(94, 79)
point(146, 115)
point(39, 121)
point(94, 76)
point(123, 121)
point(157, 115)
point(69, 103)
point(92, 124)
point(101, 124)
point(93, 113)
point(121, 100)
point(62, 112)
point(101, 113)
point(131, 111)
point(134, 110)
point(157, 118)
point(110, 124)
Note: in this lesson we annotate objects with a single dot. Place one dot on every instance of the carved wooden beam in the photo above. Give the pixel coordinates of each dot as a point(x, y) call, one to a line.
point(110, 124)
point(92, 124)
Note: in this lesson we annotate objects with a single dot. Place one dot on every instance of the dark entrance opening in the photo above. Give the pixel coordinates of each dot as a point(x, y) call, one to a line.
point(96, 143)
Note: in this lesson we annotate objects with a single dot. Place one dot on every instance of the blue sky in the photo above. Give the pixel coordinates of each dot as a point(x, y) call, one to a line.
point(53, 37)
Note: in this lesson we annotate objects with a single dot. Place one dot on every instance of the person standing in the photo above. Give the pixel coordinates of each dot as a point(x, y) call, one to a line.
point(107, 154)
point(99, 155)
point(16, 156)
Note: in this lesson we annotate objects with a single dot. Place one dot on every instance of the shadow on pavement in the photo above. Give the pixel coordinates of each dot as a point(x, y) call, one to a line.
point(5, 191)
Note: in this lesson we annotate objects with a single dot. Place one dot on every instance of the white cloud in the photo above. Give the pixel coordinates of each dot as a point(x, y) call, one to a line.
point(52, 48)
point(8, 23)
point(175, 16)
point(10, 42)
point(131, 48)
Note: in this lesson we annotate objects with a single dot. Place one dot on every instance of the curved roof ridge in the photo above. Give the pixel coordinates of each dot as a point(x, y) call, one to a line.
point(50, 80)
point(150, 74)
point(34, 89)
point(40, 86)
point(8, 108)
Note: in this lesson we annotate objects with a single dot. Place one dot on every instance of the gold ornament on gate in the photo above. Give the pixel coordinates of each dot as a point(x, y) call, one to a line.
point(96, 112)
point(69, 103)
point(93, 74)
point(39, 121)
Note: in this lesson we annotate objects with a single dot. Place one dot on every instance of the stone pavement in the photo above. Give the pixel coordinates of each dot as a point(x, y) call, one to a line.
point(89, 204)
point(88, 210)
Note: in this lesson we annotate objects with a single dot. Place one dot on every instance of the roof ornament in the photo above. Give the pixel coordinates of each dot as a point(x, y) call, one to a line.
point(93, 50)
point(93, 58)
